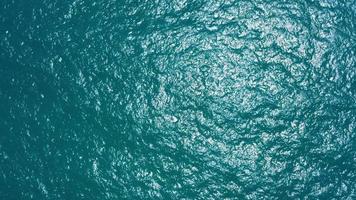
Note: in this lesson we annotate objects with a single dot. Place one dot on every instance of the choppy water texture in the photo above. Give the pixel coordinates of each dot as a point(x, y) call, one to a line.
point(175, 99)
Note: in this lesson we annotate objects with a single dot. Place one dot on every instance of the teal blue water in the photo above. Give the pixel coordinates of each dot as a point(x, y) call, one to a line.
point(177, 99)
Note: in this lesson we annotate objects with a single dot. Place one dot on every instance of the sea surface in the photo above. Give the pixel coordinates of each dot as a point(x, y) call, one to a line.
point(177, 99)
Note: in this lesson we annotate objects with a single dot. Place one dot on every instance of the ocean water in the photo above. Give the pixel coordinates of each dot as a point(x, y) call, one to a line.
point(177, 99)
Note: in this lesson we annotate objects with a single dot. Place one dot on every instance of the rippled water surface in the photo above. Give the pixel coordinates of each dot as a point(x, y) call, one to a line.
point(177, 99)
